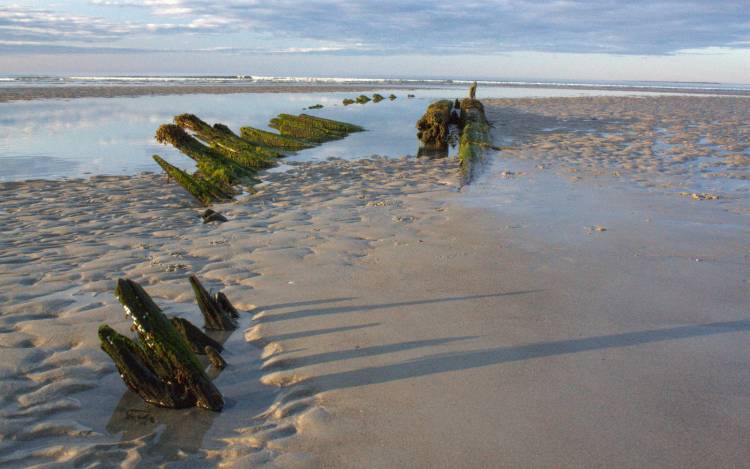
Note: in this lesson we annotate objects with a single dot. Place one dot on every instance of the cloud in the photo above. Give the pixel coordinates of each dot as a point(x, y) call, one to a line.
point(641, 27)
point(37, 47)
point(31, 24)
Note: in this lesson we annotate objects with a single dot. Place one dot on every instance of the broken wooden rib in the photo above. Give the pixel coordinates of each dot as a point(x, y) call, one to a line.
point(218, 312)
point(161, 367)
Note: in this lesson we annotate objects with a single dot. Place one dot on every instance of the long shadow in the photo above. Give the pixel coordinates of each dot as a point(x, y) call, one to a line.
point(370, 351)
point(445, 362)
point(363, 308)
point(314, 332)
point(307, 303)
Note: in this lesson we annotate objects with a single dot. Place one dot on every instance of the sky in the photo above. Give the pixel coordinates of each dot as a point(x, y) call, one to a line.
point(669, 40)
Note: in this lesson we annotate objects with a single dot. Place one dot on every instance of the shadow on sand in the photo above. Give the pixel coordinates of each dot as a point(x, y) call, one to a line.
point(306, 313)
point(446, 362)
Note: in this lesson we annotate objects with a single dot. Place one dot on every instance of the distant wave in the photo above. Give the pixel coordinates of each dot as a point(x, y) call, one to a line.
point(47, 80)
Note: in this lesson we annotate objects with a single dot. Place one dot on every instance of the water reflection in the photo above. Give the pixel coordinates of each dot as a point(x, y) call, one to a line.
point(115, 135)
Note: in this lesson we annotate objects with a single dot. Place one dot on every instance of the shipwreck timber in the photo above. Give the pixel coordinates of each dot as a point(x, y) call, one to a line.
point(274, 140)
point(160, 366)
point(433, 126)
point(225, 159)
point(434, 130)
point(202, 189)
point(475, 137)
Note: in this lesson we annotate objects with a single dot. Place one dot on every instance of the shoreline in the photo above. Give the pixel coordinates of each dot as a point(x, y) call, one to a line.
point(29, 93)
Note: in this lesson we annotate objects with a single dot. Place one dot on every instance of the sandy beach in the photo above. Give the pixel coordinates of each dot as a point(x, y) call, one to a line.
point(575, 306)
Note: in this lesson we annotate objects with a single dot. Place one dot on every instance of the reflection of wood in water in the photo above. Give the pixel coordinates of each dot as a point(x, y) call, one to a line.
point(432, 152)
point(441, 150)
point(177, 431)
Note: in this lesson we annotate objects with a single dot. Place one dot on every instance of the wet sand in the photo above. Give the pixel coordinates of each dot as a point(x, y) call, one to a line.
point(109, 91)
point(393, 320)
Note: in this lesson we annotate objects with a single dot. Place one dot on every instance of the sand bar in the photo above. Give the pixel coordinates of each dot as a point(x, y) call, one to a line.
point(104, 91)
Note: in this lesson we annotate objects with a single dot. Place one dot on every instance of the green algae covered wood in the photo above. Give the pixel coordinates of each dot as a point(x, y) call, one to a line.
point(212, 164)
point(216, 360)
point(330, 123)
point(475, 137)
point(205, 191)
point(161, 367)
point(274, 140)
point(313, 128)
point(139, 373)
point(432, 127)
point(362, 99)
point(295, 127)
point(221, 138)
point(232, 160)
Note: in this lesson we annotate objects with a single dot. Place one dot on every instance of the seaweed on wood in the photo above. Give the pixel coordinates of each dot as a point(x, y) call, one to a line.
point(204, 190)
point(301, 128)
point(212, 164)
point(221, 138)
point(160, 367)
point(432, 127)
point(274, 140)
point(475, 137)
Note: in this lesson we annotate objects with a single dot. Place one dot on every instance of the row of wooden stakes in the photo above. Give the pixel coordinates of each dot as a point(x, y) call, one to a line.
point(225, 160)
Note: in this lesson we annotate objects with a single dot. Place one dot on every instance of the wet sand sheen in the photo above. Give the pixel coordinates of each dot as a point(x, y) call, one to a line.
point(391, 319)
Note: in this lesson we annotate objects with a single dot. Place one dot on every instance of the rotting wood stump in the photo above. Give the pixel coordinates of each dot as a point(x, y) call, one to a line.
point(475, 136)
point(432, 127)
point(160, 367)
point(434, 130)
point(195, 337)
point(218, 312)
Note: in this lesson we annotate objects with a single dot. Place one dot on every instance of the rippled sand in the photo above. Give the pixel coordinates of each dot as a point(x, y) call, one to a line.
point(64, 244)
point(669, 141)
